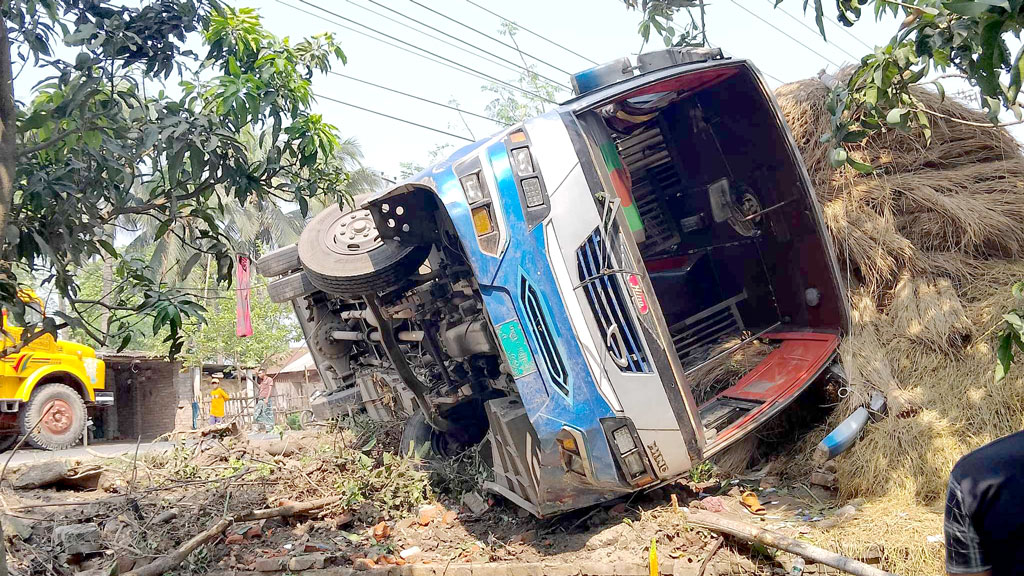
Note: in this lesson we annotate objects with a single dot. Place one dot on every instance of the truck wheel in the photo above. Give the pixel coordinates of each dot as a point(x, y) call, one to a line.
point(425, 442)
point(278, 262)
point(343, 254)
point(64, 422)
point(290, 287)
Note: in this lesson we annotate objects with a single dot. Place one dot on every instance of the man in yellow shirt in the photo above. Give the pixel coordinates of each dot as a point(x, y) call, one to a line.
point(217, 397)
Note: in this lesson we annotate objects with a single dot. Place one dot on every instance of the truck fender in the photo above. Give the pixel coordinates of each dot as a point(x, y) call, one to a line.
point(26, 388)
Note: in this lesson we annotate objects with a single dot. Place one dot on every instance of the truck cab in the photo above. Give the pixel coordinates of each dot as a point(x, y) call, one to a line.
point(46, 385)
point(575, 291)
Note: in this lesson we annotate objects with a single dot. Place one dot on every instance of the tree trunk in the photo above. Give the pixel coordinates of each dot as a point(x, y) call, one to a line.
point(8, 128)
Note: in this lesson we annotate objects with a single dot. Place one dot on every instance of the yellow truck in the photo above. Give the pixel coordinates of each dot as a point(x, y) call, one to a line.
point(49, 382)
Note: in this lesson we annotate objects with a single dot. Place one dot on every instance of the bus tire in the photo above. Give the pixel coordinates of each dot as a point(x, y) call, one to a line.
point(64, 421)
point(343, 254)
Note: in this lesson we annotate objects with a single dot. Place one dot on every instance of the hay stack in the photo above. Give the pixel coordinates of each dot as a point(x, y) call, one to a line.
point(932, 242)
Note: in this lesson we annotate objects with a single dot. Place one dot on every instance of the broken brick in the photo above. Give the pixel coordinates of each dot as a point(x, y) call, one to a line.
point(427, 514)
point(449, 516)
point(305, 562)
point(269, 564)
point(381, 532)
point(363, 564)
point(234, 539)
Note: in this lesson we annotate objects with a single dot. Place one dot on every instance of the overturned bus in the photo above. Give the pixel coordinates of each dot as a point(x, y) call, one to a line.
point(552, 290)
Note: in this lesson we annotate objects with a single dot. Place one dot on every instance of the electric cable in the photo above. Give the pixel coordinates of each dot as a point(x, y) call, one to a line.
point(420, 98)
point(449, 60)
point(496, 60)
point(410, 122)
point(525, 29)
point(815, 31)
point(382, 41)
point(784, 33)
point(517, 68)
point(485, 35)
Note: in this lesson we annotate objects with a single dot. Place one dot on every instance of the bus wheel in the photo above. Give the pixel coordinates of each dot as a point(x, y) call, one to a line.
point(61, 415)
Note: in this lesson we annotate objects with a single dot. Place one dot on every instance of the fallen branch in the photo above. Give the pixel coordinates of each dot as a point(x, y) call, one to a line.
point(711, 553)
point(751, 533)
point(169, 562)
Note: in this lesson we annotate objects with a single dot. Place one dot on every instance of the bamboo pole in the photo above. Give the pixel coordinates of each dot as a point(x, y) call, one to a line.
point(751, 533)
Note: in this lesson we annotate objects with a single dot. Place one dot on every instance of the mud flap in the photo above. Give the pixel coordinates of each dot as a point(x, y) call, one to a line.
point(514, 450)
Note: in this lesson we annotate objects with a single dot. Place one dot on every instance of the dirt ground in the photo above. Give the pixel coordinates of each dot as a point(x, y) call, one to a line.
point(383, 511)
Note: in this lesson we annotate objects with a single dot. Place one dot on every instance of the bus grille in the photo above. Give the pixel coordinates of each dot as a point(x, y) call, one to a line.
point(610, 307)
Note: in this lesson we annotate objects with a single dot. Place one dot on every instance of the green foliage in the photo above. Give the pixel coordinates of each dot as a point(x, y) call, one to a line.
point(702, 472)
point(659, 16)
point(1012, 336)
point(101, 140)
point(511, 106)
point(274, 328)
point(393, 483)
point(294, 422)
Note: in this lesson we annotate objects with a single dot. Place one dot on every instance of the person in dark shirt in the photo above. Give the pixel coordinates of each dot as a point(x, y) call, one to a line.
point(984, 521)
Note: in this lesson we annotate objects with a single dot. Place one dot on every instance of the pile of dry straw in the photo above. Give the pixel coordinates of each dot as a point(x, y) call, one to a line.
point(931, 244)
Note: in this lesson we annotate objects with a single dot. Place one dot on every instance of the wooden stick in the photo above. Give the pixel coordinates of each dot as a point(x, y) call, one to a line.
point(751, 533)
point(711, 553)
point(169, 562)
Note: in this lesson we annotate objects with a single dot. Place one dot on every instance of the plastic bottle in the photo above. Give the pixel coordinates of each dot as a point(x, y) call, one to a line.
point(798, 567)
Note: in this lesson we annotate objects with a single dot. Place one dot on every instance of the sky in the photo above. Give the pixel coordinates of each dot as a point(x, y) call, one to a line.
point(601, 30)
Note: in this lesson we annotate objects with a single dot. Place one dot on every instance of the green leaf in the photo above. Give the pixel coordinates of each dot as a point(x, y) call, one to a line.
point(1015, 322)
point(972, 9)
point(1017, 289)
point(1004, 355)
point(838, 157)
point(860, 166)
point(854, 136)
point(107, 247)
point(895, 116)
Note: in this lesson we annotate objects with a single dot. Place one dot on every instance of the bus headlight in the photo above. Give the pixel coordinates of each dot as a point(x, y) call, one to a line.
point(472, 188)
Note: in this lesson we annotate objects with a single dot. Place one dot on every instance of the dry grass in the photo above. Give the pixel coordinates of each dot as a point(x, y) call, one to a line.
point(932, 241)
point(713, 377)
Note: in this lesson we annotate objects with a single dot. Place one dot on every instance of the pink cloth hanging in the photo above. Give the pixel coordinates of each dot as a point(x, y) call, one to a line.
point(243, 318)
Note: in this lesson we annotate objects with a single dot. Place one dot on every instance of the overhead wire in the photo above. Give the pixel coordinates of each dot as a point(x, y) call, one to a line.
point(420, 98)
point(493, 59)
point(382, 41)
point(517, 67)
point(396, 118)
point(424, 50)
point(525, 29)
point(784, 33)
point(486, 35)
point(813, 30)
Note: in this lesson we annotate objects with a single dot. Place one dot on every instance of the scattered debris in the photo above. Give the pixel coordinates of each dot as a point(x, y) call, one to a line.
point(476, 504)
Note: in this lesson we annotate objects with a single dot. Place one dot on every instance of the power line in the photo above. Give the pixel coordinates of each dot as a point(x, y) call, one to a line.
point(449, 60)
point(517, 68)
point(813, 30)
point(525, 29)
point(497, 62)
point(784, 33)
point(382, 41)
point(396, 118)
point(420, 98)
point(485, 35)
point(846, 31)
